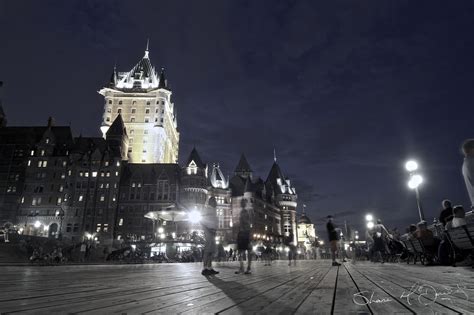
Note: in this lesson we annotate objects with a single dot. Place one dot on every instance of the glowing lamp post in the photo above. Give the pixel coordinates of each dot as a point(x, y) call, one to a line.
point(413, 183)
point(194, 216)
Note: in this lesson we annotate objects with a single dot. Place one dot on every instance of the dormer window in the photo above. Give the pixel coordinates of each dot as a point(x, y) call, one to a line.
point(120, 102)
point(148, 103)
point(110, 101)
point(192, 168)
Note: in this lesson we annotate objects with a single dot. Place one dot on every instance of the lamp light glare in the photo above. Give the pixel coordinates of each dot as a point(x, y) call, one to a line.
point(161, 230)
point(411, 166)
point(370, 225)
point(37, 224)
point(194, 216)
point(415, 181)
point(369, 217)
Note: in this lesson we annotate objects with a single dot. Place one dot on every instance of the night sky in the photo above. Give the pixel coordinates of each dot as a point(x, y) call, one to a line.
point(345, 91)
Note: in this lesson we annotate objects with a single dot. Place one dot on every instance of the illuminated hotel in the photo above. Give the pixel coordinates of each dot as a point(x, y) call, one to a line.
point(127, 185)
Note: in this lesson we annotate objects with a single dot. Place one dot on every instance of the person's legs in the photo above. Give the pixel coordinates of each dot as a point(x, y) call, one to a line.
point(249, 261)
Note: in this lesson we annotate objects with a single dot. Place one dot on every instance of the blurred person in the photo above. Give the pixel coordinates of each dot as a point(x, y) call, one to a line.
point(244, 246)
point(209, 224)
point(379, 234)
point(468, 168)
point(333, 239)
point(446, 214)
point(458, 218)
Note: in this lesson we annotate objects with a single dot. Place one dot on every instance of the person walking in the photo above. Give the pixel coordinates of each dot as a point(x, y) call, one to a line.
point(379, 234)
point(82, 252)
point(468, 168)
point(209, 224)
point(244, 247)
point(333, 239)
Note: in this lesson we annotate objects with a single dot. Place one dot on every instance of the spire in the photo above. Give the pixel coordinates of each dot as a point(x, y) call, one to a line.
point(117, 128)
point(162, 82)
point(243, 166)
point(194, 156)
point(146, 50)
point(274, 155)
point(113, 77)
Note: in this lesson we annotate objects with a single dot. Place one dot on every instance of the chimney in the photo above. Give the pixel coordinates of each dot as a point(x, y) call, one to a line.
point(51, 122)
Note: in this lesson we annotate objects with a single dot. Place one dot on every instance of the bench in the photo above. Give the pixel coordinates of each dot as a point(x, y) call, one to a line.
point(415, 249)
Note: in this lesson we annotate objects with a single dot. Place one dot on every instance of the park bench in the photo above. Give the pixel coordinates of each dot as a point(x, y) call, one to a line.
point(462, 238)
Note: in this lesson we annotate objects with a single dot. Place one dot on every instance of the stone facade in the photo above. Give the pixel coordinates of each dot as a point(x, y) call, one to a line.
point(143, 99)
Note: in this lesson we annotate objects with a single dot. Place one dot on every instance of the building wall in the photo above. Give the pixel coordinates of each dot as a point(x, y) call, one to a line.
point(150, 123)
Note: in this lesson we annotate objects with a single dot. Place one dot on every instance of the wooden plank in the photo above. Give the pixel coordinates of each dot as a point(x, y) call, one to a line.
point(403, 295)
point(320, 300)
point(377, 299)
point(426, 289)
point(281, 298)
point(345, 290)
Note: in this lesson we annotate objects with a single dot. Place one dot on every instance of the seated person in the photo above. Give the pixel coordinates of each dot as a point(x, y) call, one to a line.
point(426, 237)
point(411, 231)
point(458, 218)
point(446, 214)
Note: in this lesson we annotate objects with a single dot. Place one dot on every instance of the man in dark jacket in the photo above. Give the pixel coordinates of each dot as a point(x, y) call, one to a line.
point(446, 214)
point(333, 239)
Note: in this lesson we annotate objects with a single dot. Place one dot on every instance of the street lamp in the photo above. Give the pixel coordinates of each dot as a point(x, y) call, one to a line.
point(369, 217)
point(37, 224)
point(370, 225)
point(413, 183)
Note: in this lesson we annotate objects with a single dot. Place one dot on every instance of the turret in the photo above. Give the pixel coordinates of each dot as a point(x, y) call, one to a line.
point(117, 137)
point(243, 168)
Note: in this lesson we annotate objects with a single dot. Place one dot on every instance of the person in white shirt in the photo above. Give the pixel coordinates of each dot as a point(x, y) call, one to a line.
point(468, 168)
point(458, 218)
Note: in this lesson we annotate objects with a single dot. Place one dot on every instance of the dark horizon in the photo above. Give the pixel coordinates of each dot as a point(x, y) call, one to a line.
point(345, 93)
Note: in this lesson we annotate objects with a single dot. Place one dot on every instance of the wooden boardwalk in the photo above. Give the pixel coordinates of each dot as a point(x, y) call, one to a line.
point(310, 287)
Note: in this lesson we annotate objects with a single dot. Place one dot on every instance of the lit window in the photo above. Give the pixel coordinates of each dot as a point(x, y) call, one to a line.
point(102, 198)
point(81, 174)
point(58, 201)
point(42, 152)
point(47, 140)
point(121, 222)
point(116, 173)
point(107, 174)
point(107, 185)
point(94, 174)
point(29, 162)
point(114, 198)
point(61, 188)
point(106, 163)
point(86, 174)
point(32, 152)
point(118, 163)
point(22, 200)
point(80, 198)
point(64, 163)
